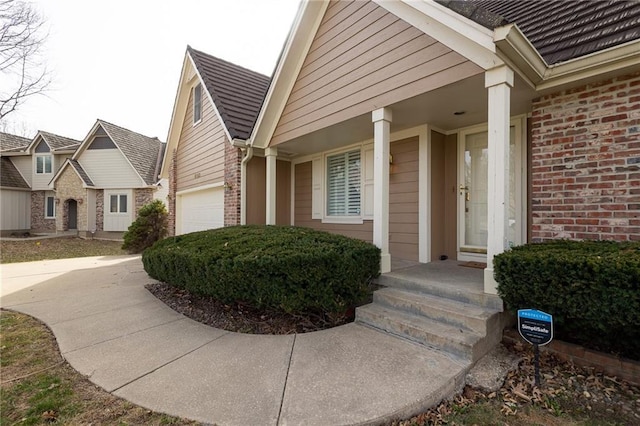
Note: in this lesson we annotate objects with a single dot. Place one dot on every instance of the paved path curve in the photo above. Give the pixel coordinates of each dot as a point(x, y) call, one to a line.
point(110, 328)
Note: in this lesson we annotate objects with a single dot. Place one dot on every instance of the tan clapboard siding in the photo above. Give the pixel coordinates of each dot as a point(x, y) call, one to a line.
point(302, 211)
point(362, 58)
point(403, 200)
point(201, 148)
point(256, 191)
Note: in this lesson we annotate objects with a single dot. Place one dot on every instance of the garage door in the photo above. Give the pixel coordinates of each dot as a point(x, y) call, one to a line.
point(201, 210)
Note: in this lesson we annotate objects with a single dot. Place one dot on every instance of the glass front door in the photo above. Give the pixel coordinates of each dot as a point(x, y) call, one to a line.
point(473, 190)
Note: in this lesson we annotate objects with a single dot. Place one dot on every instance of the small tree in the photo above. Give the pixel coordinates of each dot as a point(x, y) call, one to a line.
point(149, 227)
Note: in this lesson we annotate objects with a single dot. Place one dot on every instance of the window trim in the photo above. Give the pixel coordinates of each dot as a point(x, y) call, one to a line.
point(44, 164)
point(119, 204)
point(342, 219)
point(198, 104)
point(46, 206)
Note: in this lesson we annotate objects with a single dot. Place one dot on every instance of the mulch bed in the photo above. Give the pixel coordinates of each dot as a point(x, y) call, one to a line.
point(242, 318)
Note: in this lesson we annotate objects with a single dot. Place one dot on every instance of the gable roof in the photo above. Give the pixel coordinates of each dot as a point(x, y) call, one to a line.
point(9, 142)
point(560, 30)
point(57, 142)
point(237, 92)
point(10, 177)
point(83, 175)
point(141, 151)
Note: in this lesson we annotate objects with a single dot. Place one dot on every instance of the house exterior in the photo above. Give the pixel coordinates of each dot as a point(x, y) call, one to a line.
point(30, 205)
point(434, 129)
point(96, 186)
point(457, 129)
point(216, 106)
point(111, 175)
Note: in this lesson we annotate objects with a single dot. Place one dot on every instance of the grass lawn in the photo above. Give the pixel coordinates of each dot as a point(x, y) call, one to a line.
point(39, 387)
point(56, 248)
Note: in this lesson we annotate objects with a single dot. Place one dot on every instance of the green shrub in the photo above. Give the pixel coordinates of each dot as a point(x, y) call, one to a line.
point(290, 269)
point(592, 289)
point(149, 227)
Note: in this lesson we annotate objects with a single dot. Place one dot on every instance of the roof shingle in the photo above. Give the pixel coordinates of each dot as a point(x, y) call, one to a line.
point(560, 30)
point(237, 92)
point(10, 177)
point(83, 175)
point(9, 142)
point(57, 142)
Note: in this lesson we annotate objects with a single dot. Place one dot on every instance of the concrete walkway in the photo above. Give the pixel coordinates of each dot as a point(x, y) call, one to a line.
point(110, 328)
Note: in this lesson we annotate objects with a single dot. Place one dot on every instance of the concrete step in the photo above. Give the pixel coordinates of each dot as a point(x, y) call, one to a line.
point(458, 293)
point(457, 341)
point(455, 313)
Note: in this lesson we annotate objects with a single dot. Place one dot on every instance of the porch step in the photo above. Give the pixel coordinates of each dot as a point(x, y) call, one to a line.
point(457, 341)
point(446, 290)
point(458, 314)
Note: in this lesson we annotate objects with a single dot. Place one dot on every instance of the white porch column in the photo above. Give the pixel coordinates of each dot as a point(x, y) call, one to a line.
point(271, 154)
point(498, 82)
point(381, 138)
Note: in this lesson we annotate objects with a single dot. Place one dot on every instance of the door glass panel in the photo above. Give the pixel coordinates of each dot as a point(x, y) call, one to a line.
point(475, 190)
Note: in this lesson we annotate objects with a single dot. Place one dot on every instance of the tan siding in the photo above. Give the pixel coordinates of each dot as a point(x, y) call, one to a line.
point(108, 168)
point(451, 197)
point(302, 210)
point(362, 58)
point(200, 157)
point(403, 200)
point(24, 164)
point(256, 191)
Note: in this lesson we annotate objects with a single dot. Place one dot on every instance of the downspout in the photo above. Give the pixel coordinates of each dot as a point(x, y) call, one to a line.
point(248, 155)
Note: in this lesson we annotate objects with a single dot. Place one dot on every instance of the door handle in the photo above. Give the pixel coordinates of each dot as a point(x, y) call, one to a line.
point(463, 188)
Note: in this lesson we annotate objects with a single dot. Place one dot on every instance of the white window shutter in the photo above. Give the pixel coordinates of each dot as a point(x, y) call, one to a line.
point(368, 184)
point(316, 188)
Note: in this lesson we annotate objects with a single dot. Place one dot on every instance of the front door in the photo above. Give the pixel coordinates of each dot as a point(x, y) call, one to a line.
point(473, 190)
point(73, 214)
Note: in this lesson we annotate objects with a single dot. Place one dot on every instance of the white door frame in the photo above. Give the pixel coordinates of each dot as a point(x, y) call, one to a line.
point(520, 227)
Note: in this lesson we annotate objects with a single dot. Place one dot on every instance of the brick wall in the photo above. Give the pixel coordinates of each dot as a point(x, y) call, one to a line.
point(142, 197)
point(38, 221)
point(69, 187)
point(171, 198)
point(586, 162)
point(99, 210)
point(232, 164)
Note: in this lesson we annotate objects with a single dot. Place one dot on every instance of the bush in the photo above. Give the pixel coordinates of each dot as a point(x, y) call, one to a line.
point(149, 227)
point(592, 289)
point(291, 269)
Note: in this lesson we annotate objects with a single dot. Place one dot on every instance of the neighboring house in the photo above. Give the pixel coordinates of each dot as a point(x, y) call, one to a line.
point(216, 106)
point(111, 175)
point(51, 183)
point(457, 128)
point(36, 162)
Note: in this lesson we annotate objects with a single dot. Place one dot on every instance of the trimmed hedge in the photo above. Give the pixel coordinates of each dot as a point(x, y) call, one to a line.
point(290, 269)
point(149, 227)
point(592, 289)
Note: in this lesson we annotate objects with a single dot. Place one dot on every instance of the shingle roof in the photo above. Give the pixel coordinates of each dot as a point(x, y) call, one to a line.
point(9, 175)
point(560, 30)
point(142, 151)
point(10, 142)
point(57, 142)
point(85, 177)
point(237, 92)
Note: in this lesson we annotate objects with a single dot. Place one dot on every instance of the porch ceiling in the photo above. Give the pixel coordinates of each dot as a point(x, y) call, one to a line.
point(435, 108)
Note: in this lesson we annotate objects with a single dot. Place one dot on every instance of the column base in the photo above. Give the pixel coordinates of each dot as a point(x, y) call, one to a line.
point(385, 263)
point(490, 284)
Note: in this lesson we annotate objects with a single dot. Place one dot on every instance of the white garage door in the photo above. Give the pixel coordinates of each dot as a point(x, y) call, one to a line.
point(201, 210)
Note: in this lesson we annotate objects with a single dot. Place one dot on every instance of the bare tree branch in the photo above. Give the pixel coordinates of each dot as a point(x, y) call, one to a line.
point(21, 43)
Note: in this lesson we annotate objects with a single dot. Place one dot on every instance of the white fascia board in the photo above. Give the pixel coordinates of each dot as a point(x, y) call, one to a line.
point(86, 139)
point(294, 53)
point(35, 139)
point(458, 33)
point(517, 50)
point(205, 89)
point(174, 128)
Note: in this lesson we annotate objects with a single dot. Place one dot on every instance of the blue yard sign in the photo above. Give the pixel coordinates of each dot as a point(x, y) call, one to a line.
point(536, 327)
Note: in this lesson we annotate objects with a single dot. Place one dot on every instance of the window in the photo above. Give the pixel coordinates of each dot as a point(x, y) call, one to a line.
point(118, 203)
point(197, 103)
point(50, 208)
point(43, 164)
point(343, 184)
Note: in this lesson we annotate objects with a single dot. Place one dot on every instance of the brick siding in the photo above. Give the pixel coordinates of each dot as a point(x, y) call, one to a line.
point(142, 197)
point(585, 164)
point(38, 221)
point(232, 164)
point(171, 198)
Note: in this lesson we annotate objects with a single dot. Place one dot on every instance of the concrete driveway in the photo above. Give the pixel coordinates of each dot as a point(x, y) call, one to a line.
point(111, 329)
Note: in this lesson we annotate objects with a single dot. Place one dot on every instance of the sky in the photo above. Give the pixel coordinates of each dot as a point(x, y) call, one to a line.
point(120, 60)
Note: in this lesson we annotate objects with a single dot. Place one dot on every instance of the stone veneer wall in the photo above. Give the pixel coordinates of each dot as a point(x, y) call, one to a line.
point(38, 221)
point(142, 197)
point(171, 198)
point(586, 162)
point(69, 187)
point(99, 210)
point(232, 165)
